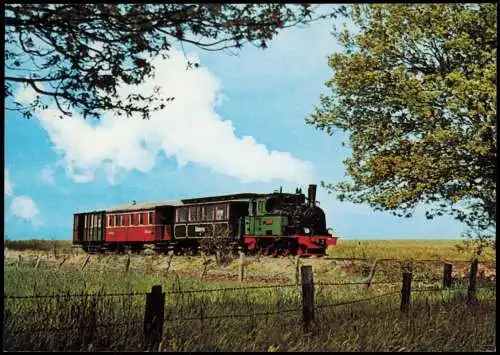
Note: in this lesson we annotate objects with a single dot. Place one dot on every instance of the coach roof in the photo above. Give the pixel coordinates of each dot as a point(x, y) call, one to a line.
point(243, 197)
point(143, 205)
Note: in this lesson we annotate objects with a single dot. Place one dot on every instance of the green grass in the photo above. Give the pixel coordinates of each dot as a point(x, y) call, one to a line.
point(438, 321)
point(406, 250)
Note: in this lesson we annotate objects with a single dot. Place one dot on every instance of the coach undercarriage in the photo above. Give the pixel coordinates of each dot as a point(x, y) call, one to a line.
point(267, 246)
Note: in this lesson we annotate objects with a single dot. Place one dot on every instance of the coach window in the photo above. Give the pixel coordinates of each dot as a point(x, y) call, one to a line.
point(119, 220)
point(150, 217)
point(208, 213)
point(139, 218)
point(111, 221)
point(182, 214)
point(194, 213)
point(220, 212)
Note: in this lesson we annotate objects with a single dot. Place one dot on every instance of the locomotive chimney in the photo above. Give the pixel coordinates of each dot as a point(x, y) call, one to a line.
point(311, 195)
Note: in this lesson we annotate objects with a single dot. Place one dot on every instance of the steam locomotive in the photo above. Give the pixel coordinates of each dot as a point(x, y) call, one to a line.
point(274, 224)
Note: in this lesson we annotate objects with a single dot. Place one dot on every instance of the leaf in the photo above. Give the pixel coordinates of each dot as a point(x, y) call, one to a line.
point(414, 91)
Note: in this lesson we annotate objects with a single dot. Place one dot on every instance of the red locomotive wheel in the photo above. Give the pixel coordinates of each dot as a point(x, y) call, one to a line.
point(275, 252)
point(285, 252)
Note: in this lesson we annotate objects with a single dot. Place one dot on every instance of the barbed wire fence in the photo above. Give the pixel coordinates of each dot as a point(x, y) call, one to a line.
point(155, 316)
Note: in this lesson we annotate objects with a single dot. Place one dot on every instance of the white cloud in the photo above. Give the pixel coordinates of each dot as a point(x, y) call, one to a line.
point(26, 95)
point(188, 129)
point(48, 176)
point(25, 208)
point(9, 186)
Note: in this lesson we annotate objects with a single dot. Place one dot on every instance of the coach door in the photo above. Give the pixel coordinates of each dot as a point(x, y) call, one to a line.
point(78, 226)
point(164, 218)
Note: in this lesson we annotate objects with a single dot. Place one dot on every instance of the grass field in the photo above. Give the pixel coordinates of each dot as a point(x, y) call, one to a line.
point(406, 249)
point(393, 248)
point(437, 321)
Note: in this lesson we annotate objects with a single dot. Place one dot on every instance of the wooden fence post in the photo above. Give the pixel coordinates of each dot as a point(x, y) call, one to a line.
point(90, 330)
point(19, 259)
point(471, 294)
point(204, 268)
point(64, 259)
point(372, 274)
point(38, 258)
point(242, 265)
point(127, 265)
point(85, 262)
point(447, 275)
point(297, 269)
point(406, 291)
point(153, 318)
point(169, 261)
point(307, 297)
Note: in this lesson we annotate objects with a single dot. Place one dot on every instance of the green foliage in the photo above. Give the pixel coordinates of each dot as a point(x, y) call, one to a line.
point(416, 91)
point(79, 54)
point(39, 244)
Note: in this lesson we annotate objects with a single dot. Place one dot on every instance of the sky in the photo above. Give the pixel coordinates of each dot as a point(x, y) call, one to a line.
point(237, 124)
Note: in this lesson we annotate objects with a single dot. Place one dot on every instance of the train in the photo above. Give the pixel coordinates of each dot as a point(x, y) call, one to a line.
point(272, 224)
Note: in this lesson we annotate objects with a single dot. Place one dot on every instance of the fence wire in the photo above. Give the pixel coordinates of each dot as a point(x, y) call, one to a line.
point(235, 315)
point(356, 301)
point(232, 289)
point(346, 283)
point(89, 295)
point(337, 283)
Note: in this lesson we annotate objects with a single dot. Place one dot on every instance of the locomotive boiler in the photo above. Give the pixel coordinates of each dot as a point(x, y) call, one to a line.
point(274, 224)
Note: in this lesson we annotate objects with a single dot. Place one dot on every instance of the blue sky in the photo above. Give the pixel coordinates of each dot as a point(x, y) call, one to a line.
point(237, 125)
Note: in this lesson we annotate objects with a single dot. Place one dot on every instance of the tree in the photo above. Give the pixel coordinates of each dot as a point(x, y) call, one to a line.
point(78, 54)
point(415, 91)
